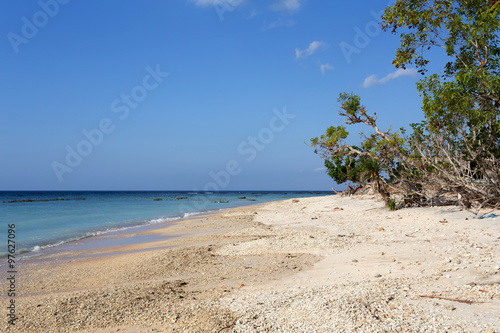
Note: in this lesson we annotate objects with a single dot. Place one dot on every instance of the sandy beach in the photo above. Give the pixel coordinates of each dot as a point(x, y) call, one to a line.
point(321, 264)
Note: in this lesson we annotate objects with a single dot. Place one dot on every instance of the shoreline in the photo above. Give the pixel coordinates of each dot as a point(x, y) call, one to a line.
point(97, 239)
point(307, 264)
point(100, 240)
point(33, 247)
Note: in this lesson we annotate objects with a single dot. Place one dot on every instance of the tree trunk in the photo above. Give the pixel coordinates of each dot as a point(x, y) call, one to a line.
point(382, 190)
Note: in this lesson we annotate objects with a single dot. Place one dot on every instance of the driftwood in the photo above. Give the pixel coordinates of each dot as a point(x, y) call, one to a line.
point(451, 299)
point(469, 178)
point(350, 190)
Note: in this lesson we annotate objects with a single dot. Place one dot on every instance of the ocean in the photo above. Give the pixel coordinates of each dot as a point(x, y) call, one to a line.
point(45, 219)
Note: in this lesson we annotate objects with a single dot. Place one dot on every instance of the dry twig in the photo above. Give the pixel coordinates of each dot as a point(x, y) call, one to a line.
point(451, 299)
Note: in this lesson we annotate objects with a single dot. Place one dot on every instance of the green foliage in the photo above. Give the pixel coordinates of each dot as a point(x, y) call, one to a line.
point(342, 170)
point(466, 95)
point(351, 104)
point(391, 204)
point(354, 169)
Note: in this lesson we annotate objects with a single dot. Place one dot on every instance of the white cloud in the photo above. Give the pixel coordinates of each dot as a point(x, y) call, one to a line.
point(373, 79)
point(253, 14)
point(326, 67)
point(279, 23)
point(287, 5)
point(322, 169)
point(206, 3)
point(313, 47)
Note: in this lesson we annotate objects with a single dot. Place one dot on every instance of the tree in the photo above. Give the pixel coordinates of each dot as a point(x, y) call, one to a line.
point(455, 151)
point(459, 141)
point(377, 155)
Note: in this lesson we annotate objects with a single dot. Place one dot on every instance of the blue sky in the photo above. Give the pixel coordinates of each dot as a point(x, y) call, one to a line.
point(183, 95)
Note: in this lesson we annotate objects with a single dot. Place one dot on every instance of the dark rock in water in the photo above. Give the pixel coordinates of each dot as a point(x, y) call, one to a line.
point(157, 199)
point(242, 198)
point(43, 200)
point(251, 199)
point(181, 198)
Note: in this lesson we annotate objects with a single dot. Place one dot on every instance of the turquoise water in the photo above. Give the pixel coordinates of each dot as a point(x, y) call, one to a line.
point(48, 219)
